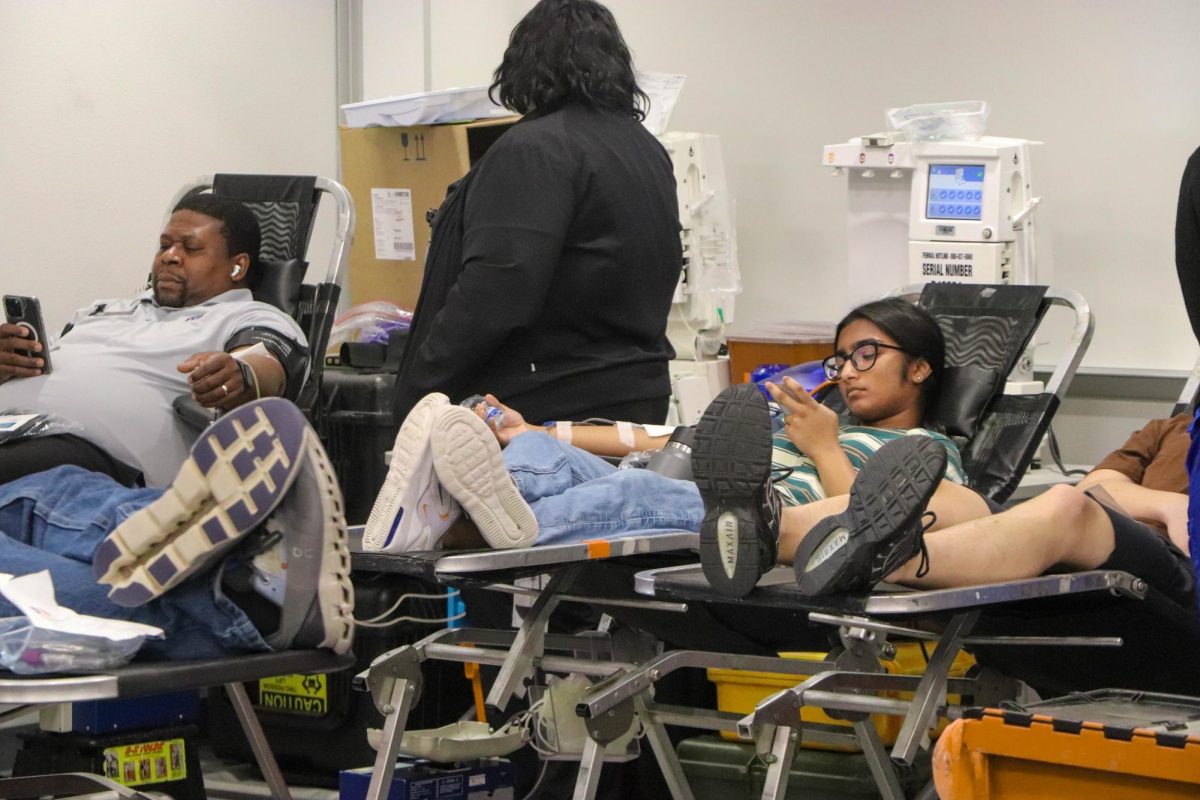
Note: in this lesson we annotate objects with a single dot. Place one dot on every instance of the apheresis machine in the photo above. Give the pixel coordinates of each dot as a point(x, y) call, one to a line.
point(710, 279)
point(932, 200)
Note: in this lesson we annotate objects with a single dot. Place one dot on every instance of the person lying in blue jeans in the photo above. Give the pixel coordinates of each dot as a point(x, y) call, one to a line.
point(244, 551)
point(548, 485)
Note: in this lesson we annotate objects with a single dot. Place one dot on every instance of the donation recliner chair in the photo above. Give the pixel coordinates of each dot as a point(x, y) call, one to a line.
point(286, 209)
point(600, 572)
point(1028, 630)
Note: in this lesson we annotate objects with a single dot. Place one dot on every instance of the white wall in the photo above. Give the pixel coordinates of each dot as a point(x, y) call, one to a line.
point(393, 48)
point(1108, 85)
point(107, 108)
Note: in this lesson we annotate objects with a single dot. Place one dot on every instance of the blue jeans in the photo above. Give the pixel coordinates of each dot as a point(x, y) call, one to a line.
point(577, 496)
point(54, 520)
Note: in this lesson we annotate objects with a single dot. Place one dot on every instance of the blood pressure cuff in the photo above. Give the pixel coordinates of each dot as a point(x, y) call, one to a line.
point(290, 354)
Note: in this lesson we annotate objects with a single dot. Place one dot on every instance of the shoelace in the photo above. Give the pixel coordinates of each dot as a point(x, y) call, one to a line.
point(923, 567)
point(781, 473)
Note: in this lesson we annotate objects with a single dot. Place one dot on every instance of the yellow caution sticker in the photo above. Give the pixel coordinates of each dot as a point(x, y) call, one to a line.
point(146, 762)
point(295, 694)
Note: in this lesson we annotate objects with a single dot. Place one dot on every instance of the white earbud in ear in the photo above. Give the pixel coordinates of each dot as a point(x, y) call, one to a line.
point(237, 270)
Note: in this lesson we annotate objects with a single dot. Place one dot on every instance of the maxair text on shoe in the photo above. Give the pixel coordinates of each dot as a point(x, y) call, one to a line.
point(834, 543)
point(727, 541)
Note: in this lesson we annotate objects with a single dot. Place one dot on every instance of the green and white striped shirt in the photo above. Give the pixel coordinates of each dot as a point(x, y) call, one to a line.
point(859, 443)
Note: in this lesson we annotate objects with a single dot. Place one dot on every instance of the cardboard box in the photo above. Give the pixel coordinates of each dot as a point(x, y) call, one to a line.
point(397, 175)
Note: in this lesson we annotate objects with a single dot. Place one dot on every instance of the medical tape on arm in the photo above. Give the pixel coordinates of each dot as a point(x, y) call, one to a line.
point(290, 355)
point(626, 435)
point(259, 349)
point(562, 431)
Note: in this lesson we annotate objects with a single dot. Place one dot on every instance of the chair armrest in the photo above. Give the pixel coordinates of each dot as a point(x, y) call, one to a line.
point(192, 414)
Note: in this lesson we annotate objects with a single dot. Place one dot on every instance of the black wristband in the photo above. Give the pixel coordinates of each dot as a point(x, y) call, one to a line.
point(249, 378)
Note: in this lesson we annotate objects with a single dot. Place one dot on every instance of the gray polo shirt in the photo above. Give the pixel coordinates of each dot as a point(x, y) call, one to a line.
point(114, 372)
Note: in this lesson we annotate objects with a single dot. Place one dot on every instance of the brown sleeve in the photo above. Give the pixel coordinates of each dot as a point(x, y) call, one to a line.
point(1138, 451)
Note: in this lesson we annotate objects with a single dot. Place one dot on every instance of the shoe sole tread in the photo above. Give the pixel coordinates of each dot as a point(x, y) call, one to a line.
point(889, 496)
point(731, 459)
point(477, 478)
point(236, 473)
point(407, 452)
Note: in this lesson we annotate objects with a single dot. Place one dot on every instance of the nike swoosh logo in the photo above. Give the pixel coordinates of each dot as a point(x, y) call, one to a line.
point(392, 532)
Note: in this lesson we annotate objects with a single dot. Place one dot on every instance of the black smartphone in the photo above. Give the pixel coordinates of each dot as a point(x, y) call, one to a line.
point(27, 311)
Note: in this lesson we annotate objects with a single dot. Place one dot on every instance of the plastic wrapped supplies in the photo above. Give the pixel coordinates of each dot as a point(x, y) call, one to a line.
point(927, 122)
point(368, 323)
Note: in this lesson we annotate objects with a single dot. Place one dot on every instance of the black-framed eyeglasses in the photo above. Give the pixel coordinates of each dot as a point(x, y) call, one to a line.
point(862, 358)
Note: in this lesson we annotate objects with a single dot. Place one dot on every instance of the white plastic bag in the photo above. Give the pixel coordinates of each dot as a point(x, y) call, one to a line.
point(927, 122)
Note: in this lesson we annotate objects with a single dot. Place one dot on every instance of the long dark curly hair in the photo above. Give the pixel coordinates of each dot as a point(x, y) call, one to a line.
point(568, 50)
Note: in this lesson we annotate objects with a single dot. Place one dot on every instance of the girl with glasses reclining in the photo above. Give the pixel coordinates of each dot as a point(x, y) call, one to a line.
point(547, 484)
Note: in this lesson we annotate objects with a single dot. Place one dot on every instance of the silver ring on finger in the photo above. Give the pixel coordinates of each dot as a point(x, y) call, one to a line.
point(225, 389)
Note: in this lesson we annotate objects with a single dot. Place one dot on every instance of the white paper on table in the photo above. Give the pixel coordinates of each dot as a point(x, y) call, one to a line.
point(663, 89)
point(392, 216)
point(34, 596)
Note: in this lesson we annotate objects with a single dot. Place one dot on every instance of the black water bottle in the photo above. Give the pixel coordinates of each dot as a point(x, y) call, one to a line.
point(674, 460)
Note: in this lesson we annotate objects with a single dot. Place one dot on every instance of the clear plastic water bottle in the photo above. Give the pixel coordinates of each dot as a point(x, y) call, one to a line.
point(636, 459)
point(494, 417)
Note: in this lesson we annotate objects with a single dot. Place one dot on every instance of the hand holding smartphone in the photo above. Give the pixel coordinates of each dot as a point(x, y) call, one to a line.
point(27, 311)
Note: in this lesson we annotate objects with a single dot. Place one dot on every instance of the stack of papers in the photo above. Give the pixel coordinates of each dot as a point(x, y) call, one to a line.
point(472, 103)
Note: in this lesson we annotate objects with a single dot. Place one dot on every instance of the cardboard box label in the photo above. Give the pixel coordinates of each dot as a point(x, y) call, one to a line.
point(146, 762)
point(391, 212)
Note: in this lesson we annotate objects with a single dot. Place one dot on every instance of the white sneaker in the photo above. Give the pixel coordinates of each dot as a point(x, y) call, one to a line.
point(412, 511)
point(466, 457)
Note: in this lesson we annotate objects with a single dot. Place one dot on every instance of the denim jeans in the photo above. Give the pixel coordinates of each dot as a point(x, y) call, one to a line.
point(54, 520)
point(577, 496)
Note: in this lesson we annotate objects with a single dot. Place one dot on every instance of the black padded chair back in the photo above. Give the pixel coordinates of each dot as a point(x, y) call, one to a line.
point(987, 329)
point(285, 206)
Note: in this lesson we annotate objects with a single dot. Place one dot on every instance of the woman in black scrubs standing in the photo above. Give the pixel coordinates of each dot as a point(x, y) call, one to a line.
point(554, 260)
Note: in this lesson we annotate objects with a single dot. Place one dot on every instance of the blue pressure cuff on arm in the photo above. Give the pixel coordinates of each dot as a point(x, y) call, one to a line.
point(291, 355)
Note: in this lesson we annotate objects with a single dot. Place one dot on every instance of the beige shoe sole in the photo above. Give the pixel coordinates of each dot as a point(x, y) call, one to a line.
point(466, 457)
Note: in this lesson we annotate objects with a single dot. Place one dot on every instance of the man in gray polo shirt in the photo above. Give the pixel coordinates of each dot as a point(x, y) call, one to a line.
point(120, 364)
